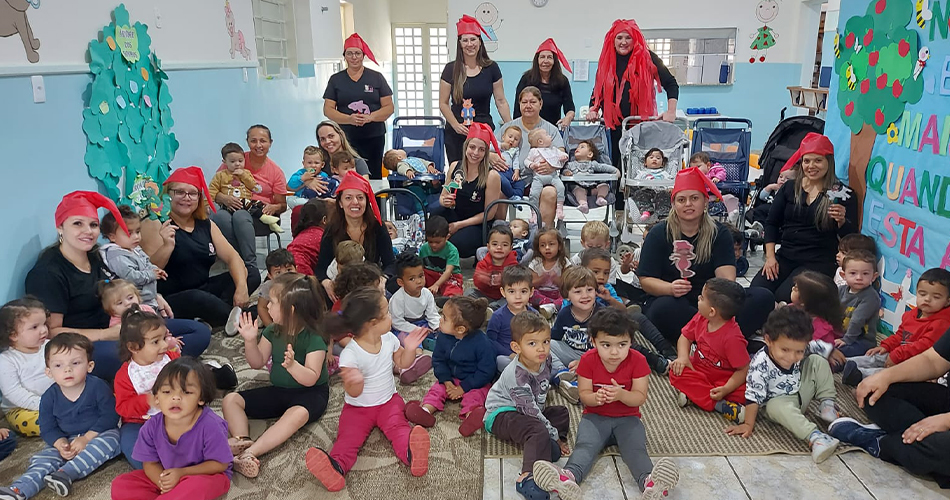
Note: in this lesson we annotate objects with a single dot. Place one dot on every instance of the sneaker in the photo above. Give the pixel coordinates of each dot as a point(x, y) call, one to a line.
point(416, 414)
point(549, 477)
point(634, 309)
point(325, 469)
point(827, 411)
point(851, 375)
point(225, 379)
point(569, 391)
point(59, 483)
point(822, 446)
point(530, 490)
point(547, 310)
point(11, 494)
point(657, 363)
point(417, 369)
point(473, 422)
point(418, 451)
point(231, 327)
point(566, 374)
point(681, 400)
point(662, 479)
point(733, 412)
point(866, 437)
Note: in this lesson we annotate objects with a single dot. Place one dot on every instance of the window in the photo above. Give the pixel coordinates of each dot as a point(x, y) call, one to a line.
point(274, 35)
point(421, 53)
point(695, 56)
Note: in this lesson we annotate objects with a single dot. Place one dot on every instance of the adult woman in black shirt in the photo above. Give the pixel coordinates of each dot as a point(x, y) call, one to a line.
point(628, 66)
point(546, 75)
point(672, 298)
point(809, 221)
point(472, 76)
point(187, 246)
point(360, 100)
point(352, 221)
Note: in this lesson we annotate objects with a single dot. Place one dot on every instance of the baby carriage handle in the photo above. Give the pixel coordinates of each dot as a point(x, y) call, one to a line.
point(638, 118)
point(537, 212)
point(700, 121)
point(439, 119)
point(395, 191)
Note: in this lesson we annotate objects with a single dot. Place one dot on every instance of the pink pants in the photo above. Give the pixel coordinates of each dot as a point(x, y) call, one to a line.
point(136, 485)
point(470, 400)
point(356, 422)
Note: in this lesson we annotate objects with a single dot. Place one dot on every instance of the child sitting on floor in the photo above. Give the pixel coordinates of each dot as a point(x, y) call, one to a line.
point(125, 257)
point(541, 150)
point(785, 376)
point(184, 447)
point(238, 183)
point(919, 330)
point(144, 352)
point(299, 390)
point(850, 243)
point(712, 374)
point(488, 271)
point(516, 289)
point(371, 400)
point(118, 295)
point(278, 262)
point(78, 422)
point(23, 377)
point(308, 233)
point(596, 234)
point(412, 306)
point(547, 264)
point(612, 382)
point(817, 295)
point(714, 171)
point(302, 182)
point(396, 160)
point(585, 163)
point(441, 259)
point(512, 184)
point(463, 364)
point(515, 407)
point(861, 303)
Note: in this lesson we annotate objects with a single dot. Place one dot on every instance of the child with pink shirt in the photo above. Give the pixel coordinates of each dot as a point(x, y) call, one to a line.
point(817, 294)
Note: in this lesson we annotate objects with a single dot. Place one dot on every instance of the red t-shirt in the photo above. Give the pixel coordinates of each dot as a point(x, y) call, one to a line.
point(591, 367)
point(723, 350)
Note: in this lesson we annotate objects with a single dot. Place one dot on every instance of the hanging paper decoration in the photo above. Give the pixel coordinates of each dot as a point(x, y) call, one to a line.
point(682, 258)
point(128, 116)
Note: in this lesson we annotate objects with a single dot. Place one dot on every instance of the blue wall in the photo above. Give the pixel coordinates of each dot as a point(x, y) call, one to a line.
point(759, 93)
point(45, 143)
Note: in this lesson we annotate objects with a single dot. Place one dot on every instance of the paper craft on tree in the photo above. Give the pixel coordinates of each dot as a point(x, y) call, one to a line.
point(682, 258)
point(127, 40)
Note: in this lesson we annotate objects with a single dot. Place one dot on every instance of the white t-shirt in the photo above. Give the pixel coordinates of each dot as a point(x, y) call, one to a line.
point(379, 385)
point(23, 378)
point(547, 275)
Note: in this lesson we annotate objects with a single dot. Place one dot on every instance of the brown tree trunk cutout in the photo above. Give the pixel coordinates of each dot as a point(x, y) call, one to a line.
point(861, 145)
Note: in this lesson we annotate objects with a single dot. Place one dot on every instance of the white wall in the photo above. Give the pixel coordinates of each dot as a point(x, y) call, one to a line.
point(326, 29)
point(419, 11)
point(371, 21)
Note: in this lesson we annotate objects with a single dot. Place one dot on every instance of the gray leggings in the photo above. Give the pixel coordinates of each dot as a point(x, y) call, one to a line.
point(539, 181)
point(596, 432)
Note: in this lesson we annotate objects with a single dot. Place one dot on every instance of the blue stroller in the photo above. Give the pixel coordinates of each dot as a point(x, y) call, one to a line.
point(421, 137)
point(728, 142)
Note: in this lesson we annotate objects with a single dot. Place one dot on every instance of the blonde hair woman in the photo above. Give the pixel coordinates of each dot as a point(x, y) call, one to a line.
point(690, 234)
point(332, 139)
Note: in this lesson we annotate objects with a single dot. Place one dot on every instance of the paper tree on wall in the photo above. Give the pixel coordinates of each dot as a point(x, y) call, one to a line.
point(127, 119)
point(875, 66)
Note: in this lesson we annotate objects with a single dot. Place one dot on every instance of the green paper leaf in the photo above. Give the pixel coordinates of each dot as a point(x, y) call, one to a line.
point(109, 123)
point(90, 125)
point(145, 41)
point(99, 56)
point(134, 122)
point(125, 136)
point(138, 160)
point(121, 14)
point(149, 137)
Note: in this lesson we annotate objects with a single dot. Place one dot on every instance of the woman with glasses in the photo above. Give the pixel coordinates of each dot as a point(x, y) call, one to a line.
point(360, 101)
point(187, 246)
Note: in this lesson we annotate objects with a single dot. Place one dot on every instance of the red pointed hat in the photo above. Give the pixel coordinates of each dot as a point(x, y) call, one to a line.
point(468, 25)
point(355, 41)
point(86, 204)
point(640, 72)
point(693, 179)
point(352, 180)
point(193, 176)
point(813, 143)
point(549, 45)
point(479, 130)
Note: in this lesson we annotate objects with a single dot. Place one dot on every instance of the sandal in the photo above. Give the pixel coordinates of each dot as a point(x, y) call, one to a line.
point(239, 443)
point(247, 465)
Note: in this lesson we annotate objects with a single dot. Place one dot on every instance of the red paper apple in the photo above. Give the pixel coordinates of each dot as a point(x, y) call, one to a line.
point(849, 109)
point(849, 40)
point(873, 57)
point(880, 6)
point(898, 88)
point(882, 81)
point(868, 37)
point(879, 118)
point(865, 85)
point(903, 48)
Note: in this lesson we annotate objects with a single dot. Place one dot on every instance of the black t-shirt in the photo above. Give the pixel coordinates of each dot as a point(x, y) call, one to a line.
point(553, 98)
point(793, 225)
point(190, 261)
point(942, 345)
point(66, 290)
point(667, 81)
point(478, 88)
point(655, 258)
point(469, 199)
point(359, 96)
point(384, 255)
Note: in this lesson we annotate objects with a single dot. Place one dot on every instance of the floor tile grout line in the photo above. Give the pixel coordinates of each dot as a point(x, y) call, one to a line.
point(744, 489)
point(866, 488)
point(619, 478)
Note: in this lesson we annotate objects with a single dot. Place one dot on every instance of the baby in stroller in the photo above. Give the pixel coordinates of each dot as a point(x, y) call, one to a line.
point(654, 167)
point(541, 150)
point(396, 160)
point(584, 163)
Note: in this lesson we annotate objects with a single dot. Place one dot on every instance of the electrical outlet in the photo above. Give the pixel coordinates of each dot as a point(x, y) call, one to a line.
point(39, 89)
point(158, 18)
